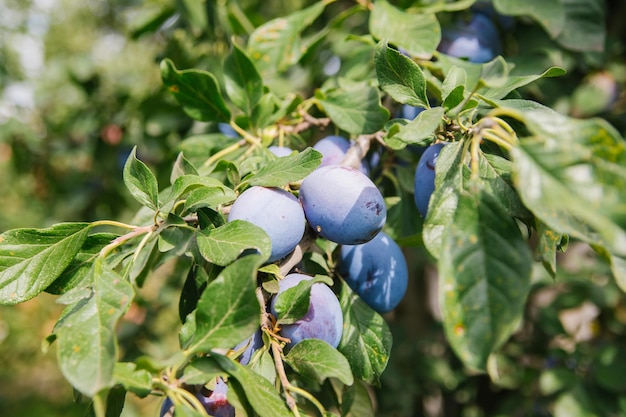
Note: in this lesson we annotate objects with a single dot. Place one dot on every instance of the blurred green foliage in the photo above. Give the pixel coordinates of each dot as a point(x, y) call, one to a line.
point(80, 86)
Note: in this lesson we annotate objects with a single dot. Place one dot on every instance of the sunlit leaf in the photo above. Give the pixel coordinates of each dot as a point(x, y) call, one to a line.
point(87, 343)
point(228, 310)
point(484, 268)
point(31, 259)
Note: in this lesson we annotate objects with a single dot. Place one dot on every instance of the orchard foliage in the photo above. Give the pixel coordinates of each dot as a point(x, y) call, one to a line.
point(516, 182)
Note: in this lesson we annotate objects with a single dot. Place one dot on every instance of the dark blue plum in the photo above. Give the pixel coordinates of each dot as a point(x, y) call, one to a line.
point(476, 39)
point(425, 177)
point(376, 271)
point(334, 149)
point(216, 404)
point(251, 344)
point(280, 150)
point(227, 130)
point(410, 112)
point(486, 8)
point(342, 204)
point(323, 320)
point(277, 212)
point(167, 407)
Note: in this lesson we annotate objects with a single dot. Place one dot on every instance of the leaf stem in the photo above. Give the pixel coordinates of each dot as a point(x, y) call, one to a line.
point(497, 139)
point(112, 223)
point(137, 231)
point(99, 406)
point(216, 156)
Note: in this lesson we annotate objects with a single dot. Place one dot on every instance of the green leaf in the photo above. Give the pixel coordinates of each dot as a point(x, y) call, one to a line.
point(293, 303)
point(197, 92)
point(453, 87)
point(201, 370)
point(87, 344)
point(317, 360)
point(572, 175)
point(495, 80)
point(513, 82)
point(260, 393)
point(277, 44)
point(356, 109)
point(418, 33)
point(228, 310)
point(617, 264)
point(366, 339)
point(78, 270)
point(494, 73)
point(215, 192)
point(422, 129)
point(137, 381)
point(182, 167)
point(31, 259)
point(141, 182)
point(585, 26)
point(357, 402)
point(496, 174)
point(549, 13)
point(399, 76)
point(549, 242)
point(282, 171)
point(226, 243)
point(451, 172)
point(196, 12)
point(484, 270)
point(243, 83)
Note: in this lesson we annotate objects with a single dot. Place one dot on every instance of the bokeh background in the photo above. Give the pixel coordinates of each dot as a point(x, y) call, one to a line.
point(80, 86)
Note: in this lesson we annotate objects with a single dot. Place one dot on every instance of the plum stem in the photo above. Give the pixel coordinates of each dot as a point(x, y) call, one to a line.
point(296, 256)
point(280, 370)
point(359, 149)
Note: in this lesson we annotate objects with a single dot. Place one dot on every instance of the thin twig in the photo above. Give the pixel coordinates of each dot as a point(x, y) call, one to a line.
point(280, 370)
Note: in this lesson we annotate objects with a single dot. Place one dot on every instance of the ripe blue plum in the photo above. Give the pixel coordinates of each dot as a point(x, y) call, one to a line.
point(376, 271)
point(227, 130)
point(214, 402)
point(486, 7)
point(167, 408)
point(334, 149)
point(280, 150)
point(274, 210)
point(323, 320)
point(410, 112)
point(342, 204)
point(252, 344)
point(476, 39)
point(425, 177)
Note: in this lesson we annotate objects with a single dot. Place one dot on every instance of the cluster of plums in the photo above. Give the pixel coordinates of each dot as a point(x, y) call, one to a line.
point(343, 205)
point(340, 204)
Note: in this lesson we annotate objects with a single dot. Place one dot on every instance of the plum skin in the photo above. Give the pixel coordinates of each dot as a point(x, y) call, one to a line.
point(253, 343)
point(477, 39)
point(214, 402)
point(274, 210)
point(376, 271)
point(323, 320)
point(333, 149)
point(342, 204)
point(280, 151)
point(425, 177)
